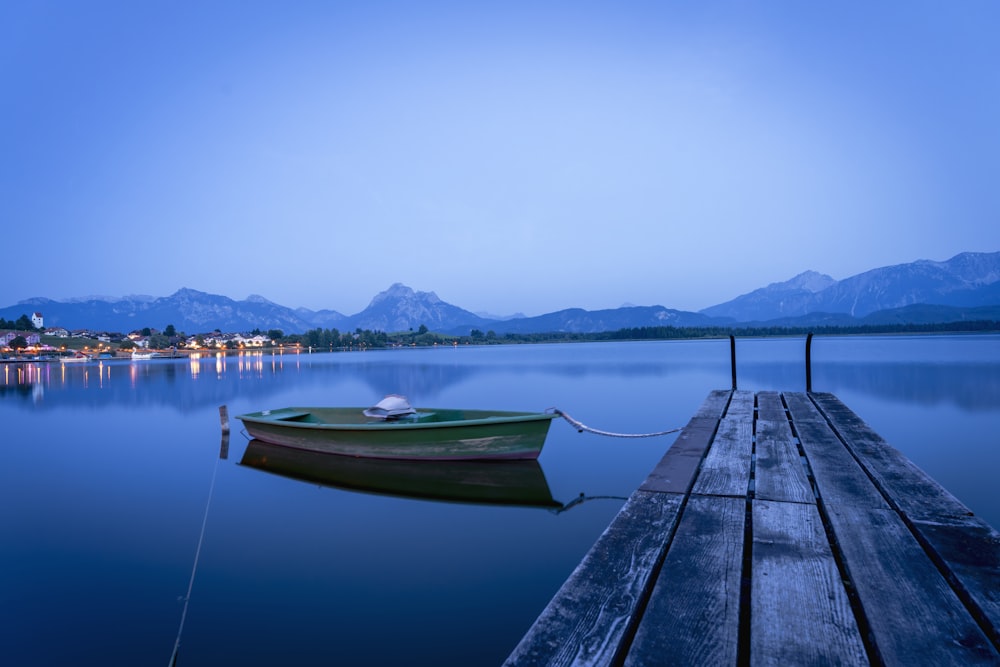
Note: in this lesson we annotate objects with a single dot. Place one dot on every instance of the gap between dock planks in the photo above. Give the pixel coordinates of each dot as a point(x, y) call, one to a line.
point(779, 529)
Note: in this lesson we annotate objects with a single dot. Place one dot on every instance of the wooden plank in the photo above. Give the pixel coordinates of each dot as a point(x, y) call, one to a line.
point(693, 613)
point(770, 407)
point(587, 619)
point(908, 487)
point(838, 478)
point(726, 468)
point(677, 469)
point(800, 613)
point(801, 408)
point(965, 548)
point(969, 550)
point(714, 405)
point(914, 617)
point(779, 472)
point(741, 405)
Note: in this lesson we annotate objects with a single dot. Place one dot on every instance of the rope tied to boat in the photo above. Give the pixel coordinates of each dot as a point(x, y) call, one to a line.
point(583, 427)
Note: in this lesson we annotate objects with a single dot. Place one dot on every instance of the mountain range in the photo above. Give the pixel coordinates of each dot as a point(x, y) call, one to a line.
point(963, 288)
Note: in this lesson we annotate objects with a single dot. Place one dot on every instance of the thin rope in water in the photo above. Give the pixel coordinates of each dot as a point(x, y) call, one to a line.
point(194, 569)
point(583, 427)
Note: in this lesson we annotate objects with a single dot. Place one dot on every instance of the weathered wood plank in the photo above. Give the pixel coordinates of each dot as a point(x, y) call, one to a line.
point(913, 616)
point(677, 469)
point(770, 407)
point(741, 405)
point(838, 477)
point(969, 549)
point(693, 613)
point(965, 547)
point(801, 408)
point(585, 622)
point(726, 468)
point(908, 487)
point(779, 472)
point(714, 405)
point(799, 613)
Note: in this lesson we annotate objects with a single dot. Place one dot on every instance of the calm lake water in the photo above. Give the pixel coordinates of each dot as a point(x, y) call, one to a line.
point(109, 468)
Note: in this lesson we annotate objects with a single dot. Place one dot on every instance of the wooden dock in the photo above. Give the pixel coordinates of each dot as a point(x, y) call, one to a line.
point(780, 529)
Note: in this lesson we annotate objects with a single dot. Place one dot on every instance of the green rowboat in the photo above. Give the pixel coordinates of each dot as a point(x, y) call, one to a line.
point(420, 434)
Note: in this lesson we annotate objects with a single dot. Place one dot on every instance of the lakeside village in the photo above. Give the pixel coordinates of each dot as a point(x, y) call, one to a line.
point(28, 339)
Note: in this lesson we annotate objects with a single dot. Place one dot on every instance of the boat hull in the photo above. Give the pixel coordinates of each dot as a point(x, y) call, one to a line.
point(432, 435)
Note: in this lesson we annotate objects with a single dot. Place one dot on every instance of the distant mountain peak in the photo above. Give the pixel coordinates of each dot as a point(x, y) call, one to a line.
point(188, 293)
point(399, 291)
point(257, 298)
point(810, 281)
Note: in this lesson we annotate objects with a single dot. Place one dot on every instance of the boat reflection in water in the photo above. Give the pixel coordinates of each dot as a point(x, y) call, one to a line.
point(515, 483)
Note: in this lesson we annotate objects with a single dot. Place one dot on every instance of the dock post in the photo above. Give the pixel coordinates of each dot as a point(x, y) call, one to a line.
point(732, 357)
point(224, 418)
point(809, 374)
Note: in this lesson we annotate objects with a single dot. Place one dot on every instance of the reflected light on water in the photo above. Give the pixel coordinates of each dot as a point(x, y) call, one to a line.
point(251, 364)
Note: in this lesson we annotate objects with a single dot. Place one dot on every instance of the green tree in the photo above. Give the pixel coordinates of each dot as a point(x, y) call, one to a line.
point(24, 323)
point(126, 344)
point(422, 330)
point(18, 343)
point(159, 342)
point(275, 334)
point(170, 331)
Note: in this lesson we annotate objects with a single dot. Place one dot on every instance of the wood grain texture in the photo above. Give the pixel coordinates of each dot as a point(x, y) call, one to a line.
point(585, 622)
point(779, 472)
point(741, 405)
point(693, 613)
point(770, 407)
point(969, 549)
point(908, 487)
point(800, 613)
point(914, 616)
point(714, 405)
point(677, 469)
point(838, 477)
point(726, 468)
point(801, 408)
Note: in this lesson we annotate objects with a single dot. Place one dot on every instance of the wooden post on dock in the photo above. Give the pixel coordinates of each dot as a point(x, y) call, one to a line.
point(732, 357)
point(809, 370)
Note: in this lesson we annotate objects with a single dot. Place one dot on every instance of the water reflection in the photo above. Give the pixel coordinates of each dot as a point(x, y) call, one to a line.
point(971, 386)
point(507, 483)
point(520, 483)
point(917, 377)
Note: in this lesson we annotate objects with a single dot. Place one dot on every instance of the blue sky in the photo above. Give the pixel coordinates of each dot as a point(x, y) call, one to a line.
point(511, 157)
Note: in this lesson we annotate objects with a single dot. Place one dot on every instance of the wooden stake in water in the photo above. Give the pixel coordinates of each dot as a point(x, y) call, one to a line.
point(224, 418)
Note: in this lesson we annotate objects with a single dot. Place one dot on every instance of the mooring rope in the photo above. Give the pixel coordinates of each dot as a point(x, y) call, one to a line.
point(194, 568)
point(583, 427)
